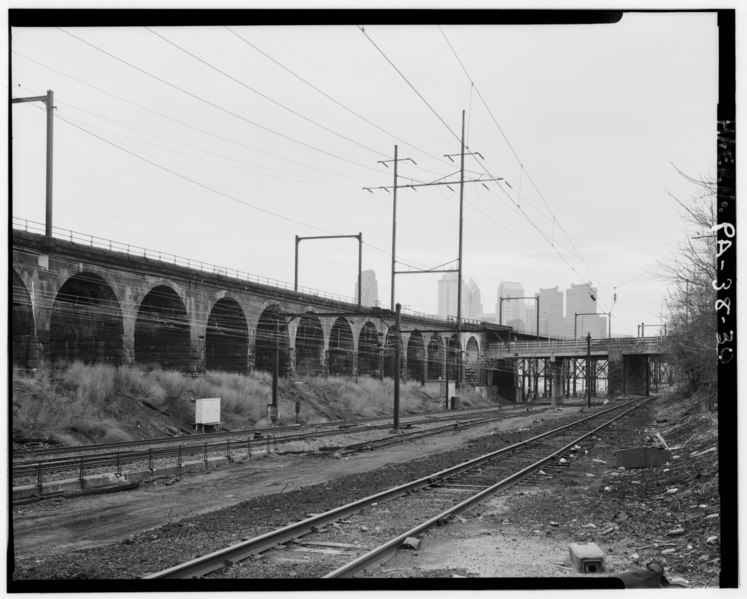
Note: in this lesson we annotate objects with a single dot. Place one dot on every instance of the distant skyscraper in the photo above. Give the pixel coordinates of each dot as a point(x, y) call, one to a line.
point(472, 307)
point(369, 289)
point(551, 311)
point(514, 310)
point(582, 300)
point(447, 295)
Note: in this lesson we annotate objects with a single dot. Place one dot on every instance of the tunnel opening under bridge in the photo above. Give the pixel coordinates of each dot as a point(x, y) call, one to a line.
point(436, 357)
point(309, 346)
point(86, 322)
point(341, 348)
point(416, 356)
point(368, 350)
point(272, 334)
point(162, 332)
point(227, 338)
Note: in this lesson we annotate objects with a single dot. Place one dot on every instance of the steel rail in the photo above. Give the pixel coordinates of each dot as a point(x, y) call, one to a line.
point(385, 550)
point(218, 559)
point(118, 459)
point(190, 439)
point(463, 424)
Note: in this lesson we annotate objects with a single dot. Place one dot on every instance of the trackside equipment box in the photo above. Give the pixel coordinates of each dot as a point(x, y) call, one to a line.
point(207, 411)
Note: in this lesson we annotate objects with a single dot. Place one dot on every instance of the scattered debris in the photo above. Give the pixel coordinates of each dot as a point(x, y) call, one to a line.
point(675, 532)
point(411, 543)
point(662, 441)
point(695, 454)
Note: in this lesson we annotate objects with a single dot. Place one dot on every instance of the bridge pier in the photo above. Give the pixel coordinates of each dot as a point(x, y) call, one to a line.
point(636, 379)
point(556, 382)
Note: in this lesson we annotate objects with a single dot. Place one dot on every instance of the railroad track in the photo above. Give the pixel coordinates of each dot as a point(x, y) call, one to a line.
point(97, 459)
point(20, 455)
point(354, 537)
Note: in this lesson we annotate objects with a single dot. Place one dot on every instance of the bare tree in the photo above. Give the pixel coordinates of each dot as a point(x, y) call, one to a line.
point(692, 324)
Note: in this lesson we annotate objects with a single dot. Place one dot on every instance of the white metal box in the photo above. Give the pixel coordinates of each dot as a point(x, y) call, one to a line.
point(451, 390)
point(207, 410)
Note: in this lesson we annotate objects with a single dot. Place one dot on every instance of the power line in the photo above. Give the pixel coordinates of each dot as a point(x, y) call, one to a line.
point(266, 97)
point(340, 104)
point(216, 106)
point(174, 120)
point(194, 181)
point(523, 169)
point(433, 110)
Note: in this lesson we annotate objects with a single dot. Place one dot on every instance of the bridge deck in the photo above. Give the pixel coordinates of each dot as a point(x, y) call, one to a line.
point(577, 348)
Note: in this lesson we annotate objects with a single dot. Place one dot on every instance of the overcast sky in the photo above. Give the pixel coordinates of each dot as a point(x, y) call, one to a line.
point(223, 143)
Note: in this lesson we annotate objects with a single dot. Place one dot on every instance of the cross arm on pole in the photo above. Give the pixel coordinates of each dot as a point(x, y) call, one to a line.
point(31, 99)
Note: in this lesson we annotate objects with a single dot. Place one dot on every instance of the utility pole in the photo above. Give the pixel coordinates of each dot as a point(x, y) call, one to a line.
point(49, 101)
point(394, 227)
point(461, 182)
point(461, 227)
point(397, 340)
point(394, 212)
point(588, 370)
point(275, 374)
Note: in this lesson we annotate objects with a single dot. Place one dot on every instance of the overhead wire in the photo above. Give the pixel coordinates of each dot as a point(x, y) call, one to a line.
point(209, 188)
point(217, 106)
point(433, 110)
point(337, 102)
point(185, 124)
point(287, 176)
point(262, 95)
point(521, 164)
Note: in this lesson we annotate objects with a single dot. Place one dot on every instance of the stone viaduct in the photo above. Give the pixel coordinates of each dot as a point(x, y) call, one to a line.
point(76, 302)
point(72, 301)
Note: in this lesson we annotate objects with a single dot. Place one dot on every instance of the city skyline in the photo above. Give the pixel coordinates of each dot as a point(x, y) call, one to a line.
point(571, 313)
point(222, 144)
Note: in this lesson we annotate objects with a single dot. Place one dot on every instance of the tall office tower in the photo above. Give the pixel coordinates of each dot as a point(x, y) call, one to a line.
point(472, 307)
point(551, 313)
point(511, 310)
point(447, 295)
point(369, 289)
point(581, 300)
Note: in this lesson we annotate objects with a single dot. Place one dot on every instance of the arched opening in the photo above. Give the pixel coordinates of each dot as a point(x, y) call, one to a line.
point(454, 357)
point(341, 348)
point(86, 322)
point(272, 333)
point(22, 324)
point(436, 353)
point(162, 333)
point(226, 337)
point(416, 356)
point(389, 345)
point(368, 350)
point(472, 374)
point(309, 346)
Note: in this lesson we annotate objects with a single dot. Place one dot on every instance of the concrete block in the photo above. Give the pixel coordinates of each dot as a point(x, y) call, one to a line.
point(642, 457)
point(587, 558)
